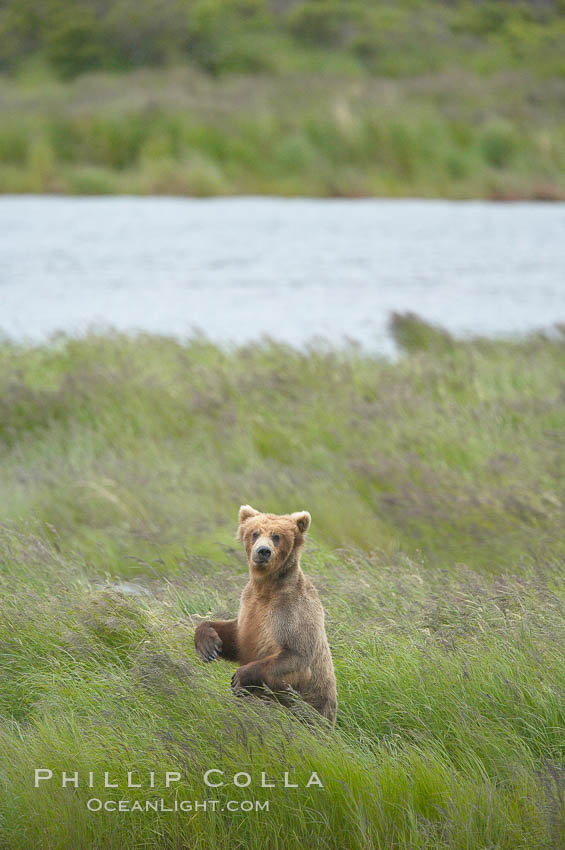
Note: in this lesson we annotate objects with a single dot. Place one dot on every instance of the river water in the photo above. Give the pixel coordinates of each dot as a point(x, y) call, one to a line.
point(238, 269)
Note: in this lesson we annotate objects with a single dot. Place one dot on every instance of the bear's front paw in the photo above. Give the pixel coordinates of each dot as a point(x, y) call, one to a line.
point(244, 680)
point(236, 685)
point(207, 642)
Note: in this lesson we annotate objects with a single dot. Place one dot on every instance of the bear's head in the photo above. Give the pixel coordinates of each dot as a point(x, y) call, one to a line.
point(271, 539)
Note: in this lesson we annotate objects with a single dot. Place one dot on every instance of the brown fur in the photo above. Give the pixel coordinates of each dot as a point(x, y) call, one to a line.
point(278, 638)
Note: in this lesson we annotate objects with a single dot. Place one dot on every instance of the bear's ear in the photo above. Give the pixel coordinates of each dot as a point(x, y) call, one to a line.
point(302, 520)
point(245, 512)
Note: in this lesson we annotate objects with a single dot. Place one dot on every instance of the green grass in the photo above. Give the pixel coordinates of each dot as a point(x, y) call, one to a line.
point(436, 485)
point(179, 132)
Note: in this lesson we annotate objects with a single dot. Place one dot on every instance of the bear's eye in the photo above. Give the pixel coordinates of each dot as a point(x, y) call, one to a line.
point(276, 539)
point(255, 536)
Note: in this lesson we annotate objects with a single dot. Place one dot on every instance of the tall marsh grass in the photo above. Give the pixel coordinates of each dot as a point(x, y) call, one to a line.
point(436, 485)
point(180, 133)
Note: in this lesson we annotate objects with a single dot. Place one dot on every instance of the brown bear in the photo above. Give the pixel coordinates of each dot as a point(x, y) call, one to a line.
point(278, 639)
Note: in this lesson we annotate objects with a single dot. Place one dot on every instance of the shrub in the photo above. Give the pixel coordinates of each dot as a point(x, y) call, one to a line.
point(498, 144)
point(75, 43)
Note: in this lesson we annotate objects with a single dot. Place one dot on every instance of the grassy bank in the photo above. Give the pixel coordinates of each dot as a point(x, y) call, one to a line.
point(181, 132)
point(436, 485)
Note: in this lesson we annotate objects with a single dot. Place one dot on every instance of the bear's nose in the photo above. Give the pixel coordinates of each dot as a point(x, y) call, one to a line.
point(264, 553)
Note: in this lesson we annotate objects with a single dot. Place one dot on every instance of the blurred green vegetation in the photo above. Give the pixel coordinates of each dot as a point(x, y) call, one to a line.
point(323, 98)
point(181, 132)
point(436, 485)
point(224, 36)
